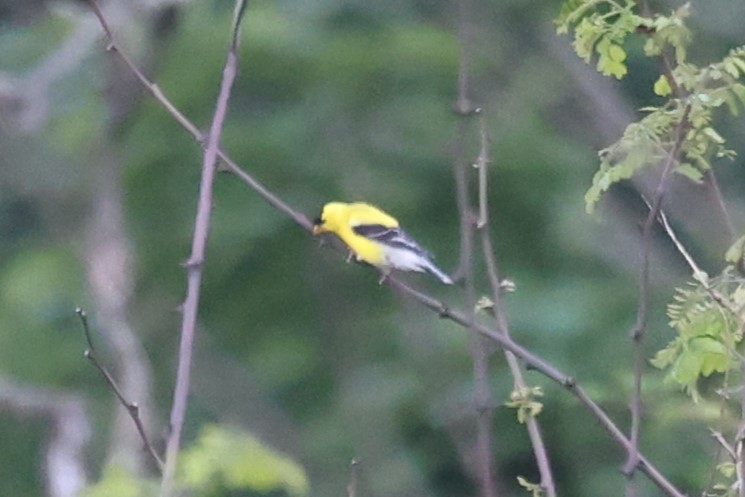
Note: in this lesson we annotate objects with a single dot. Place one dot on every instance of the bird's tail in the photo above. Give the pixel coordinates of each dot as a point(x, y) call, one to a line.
point(439, 273)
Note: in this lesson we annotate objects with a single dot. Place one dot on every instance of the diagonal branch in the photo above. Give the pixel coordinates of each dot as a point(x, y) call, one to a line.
point(131, 407)
point(191, 128)
point(534, 362)
point(696, 271)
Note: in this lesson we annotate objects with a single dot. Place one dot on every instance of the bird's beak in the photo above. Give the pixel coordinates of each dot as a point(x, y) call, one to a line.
point(318, 226)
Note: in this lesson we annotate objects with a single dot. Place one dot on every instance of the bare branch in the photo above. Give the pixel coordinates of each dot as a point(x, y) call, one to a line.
point(481, 453)
point(196, 260)
point(132, 408)
point(640, 327)
point(354, 469)
point(192, 129)
point(534, 362)
point(534, 430)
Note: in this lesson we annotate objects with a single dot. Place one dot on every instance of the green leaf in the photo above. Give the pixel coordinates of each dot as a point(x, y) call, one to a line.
point(715, 137)
point(523, 399)
point(610, 62)
point(662, 86)
point(238, 460)
point(727, 469)
point(535, 489)
point(118, 482)
point(713, 356)
point(663, 358)
point(739, 90)
point(690, 172)
point(736, 251)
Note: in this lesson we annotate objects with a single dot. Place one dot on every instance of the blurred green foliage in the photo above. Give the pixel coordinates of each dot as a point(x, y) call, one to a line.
point(340, 100)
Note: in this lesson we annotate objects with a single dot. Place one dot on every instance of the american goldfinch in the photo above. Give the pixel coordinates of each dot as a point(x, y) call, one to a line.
point(375, 237)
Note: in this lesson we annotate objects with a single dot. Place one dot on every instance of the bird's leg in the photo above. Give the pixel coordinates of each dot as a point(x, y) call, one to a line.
point(384, 273)
point(350, 255)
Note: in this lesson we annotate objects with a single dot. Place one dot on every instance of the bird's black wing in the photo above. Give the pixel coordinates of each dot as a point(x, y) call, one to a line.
point(391, 236)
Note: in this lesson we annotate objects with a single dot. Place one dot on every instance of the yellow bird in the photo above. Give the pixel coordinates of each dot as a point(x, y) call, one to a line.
point(375, 237)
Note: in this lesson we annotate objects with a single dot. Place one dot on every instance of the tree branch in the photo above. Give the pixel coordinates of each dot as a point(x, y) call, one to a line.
point(483, 457)
point(534, 429)
point(195, 262)
point(131, 407)
point(546, 369)
point(639, 330)
point(191, 128)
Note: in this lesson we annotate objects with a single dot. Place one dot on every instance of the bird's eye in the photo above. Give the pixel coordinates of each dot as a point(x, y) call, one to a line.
point(318, 221)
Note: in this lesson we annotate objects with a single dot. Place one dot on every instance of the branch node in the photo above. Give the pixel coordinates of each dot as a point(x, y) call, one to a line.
point(192, 263)
point(464, 108)
point(222, 167)
point(443, 312)
point(569, 382)
point(484, 407)
point(631, 465)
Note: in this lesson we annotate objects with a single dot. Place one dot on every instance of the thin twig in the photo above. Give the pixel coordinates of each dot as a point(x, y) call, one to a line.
point(640, 326)
point(191, 128)
point(698, 274)
point(483, 455)
point(462, 194)
point(482, 163)
point(724, 444)
point(721, 206)
point(546, 369)
point(464, 109)
point(132, 408)
point(194, 264)
point(534, 430)
point(354, 469)
point(681, 93)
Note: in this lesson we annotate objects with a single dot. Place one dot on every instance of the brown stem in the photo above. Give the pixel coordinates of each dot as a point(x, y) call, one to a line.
point(547, 370)
point(639, 330)
point(483, 456)
point(195, 262)
point(131, 407)
point(534, 430)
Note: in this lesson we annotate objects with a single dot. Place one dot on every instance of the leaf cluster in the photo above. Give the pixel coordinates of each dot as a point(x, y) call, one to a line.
point(228, 458)
point(695, 92)
point(523, 399)
point(535, 489)
point(222, 459)
point(600, 28)
point(707, 317)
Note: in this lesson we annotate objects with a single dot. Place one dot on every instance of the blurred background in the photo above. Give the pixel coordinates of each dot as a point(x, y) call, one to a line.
point(334, 100)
